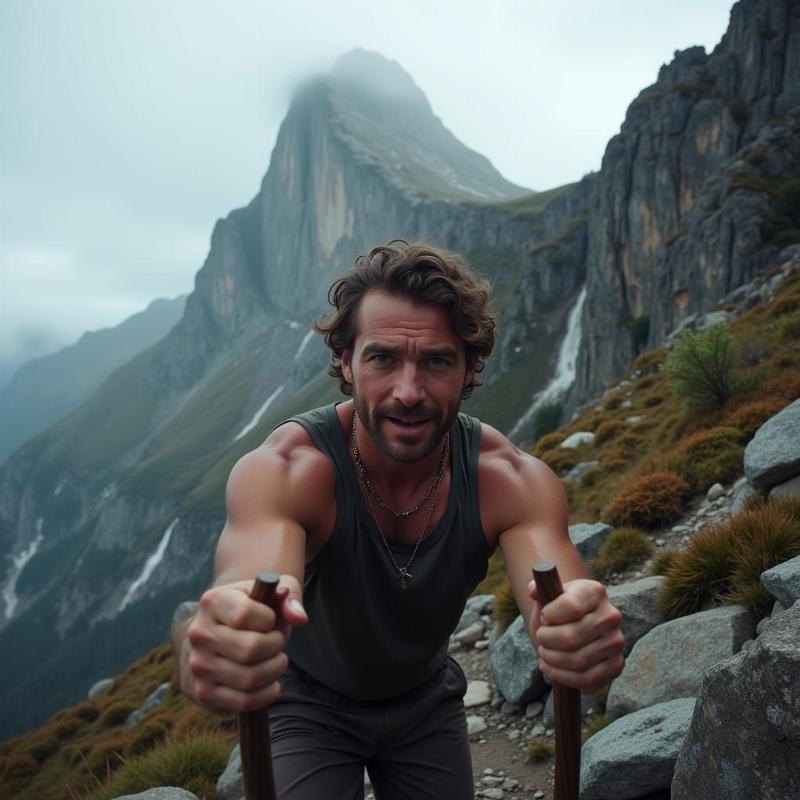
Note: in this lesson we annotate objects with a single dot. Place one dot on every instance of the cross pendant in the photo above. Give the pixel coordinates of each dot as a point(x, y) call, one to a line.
point(404, 573)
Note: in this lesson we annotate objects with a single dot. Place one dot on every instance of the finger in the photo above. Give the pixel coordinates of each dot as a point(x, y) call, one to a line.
point(290, 605)
point(580, 597)
point(225, 701)
point(248, 678)
point(588, 681)
point(244, 647)
point(580, 659)
point(572, 636)
point(234, 608)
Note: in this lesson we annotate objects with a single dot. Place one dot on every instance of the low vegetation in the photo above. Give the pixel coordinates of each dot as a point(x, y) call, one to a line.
point(623, 549)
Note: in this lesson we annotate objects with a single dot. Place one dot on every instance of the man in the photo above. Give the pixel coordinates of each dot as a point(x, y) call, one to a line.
point(380, 514)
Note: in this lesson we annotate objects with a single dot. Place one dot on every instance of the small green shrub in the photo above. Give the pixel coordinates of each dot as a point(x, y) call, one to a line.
point(700, 574)
point(560, 459)
point(590, 477)
point(116, 714)
point(19, 766)
point(652, 400)
point(709, 457)
point(662, 562)
point(547, 442)
point(623, 549)
point(763, 538)
point(607, 430)
point(789, 326)
point(540, 750)
point(648, 501)
point(703, 367)
point(505, 609)
point(145, 738)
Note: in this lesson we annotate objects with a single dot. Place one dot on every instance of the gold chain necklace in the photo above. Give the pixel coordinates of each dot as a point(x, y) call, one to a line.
point(371, 489)
point(402, 571)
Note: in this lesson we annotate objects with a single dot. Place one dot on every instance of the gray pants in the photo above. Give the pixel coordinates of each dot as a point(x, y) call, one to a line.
point(414, 746)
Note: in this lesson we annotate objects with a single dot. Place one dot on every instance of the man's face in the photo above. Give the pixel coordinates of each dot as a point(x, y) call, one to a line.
point(408, 370)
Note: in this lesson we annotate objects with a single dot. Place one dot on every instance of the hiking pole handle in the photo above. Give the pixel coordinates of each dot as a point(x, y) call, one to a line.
point(567, 702)
point(257, 776)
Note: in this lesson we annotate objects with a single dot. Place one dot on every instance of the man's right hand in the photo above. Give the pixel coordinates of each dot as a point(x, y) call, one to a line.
point(236, 646)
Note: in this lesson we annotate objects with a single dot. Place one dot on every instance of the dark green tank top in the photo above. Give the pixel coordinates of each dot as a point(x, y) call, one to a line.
point(367, 637)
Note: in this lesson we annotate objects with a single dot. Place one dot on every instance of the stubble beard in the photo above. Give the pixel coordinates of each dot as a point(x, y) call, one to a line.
point(370, 424)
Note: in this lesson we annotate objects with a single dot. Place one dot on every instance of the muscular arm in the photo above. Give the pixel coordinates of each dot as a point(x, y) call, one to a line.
point(230, 654)
point(579, 641)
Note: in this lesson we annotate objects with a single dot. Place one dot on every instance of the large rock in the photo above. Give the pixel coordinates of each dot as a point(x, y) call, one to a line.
point(636, 754)
point(772, 456)
point(790, 488)
point(744, 739)
point(515, 665)
point(160, 793)
point(589, 538)
point(637, 602)
point(669, 662)
point(230, 785)
point(783, 582)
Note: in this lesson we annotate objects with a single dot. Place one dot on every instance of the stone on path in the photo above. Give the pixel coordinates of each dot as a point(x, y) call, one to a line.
point(476, 725)
point(744, 737)
point(669, 662)
point(478, 693)
point(636, 754)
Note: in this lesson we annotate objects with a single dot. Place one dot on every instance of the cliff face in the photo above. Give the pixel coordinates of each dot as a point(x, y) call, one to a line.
point(655, 186)
point(110, 517)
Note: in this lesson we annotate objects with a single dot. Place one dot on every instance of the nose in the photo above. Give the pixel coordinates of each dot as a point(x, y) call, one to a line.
point(409, 389)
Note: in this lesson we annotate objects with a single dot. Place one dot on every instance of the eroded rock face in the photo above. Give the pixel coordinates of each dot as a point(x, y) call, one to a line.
point(669, 662)
point(744, 737)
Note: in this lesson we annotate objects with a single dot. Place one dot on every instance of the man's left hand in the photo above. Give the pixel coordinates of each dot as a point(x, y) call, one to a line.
point(577, 636)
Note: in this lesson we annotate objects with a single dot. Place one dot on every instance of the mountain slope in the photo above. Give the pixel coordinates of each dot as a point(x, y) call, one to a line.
point(46, 388)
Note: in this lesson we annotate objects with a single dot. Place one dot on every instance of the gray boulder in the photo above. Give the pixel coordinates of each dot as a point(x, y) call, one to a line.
point(515, 665)
point(154, 699)
point(636, 754)
point(230, 785)
point(773, 455)
point(588, 539)
point(669, 662)
point(744, 738)
point(637, 602)
point(160, 793)
point(101, 687)
point(783, 582)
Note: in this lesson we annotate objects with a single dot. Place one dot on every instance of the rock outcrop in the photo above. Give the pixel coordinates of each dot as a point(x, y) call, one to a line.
point(744, 736)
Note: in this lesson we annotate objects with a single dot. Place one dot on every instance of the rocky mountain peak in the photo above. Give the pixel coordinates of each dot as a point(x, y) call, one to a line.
point(381, 78)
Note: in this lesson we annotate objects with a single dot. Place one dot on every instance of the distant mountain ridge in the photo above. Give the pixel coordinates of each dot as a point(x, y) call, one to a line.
point(44, 389)
point(101, 490)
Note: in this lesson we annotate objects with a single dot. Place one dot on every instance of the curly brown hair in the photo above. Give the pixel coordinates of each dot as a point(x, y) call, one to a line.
point(425, 274)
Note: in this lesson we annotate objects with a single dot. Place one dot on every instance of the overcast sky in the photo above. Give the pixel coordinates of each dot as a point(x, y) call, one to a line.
point(127, 127)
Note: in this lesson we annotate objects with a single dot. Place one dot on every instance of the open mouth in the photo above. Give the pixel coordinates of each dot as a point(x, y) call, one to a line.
point(407, 424)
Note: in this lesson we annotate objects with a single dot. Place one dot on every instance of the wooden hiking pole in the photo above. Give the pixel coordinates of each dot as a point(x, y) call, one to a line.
point(259, 782)
point(567, 703)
